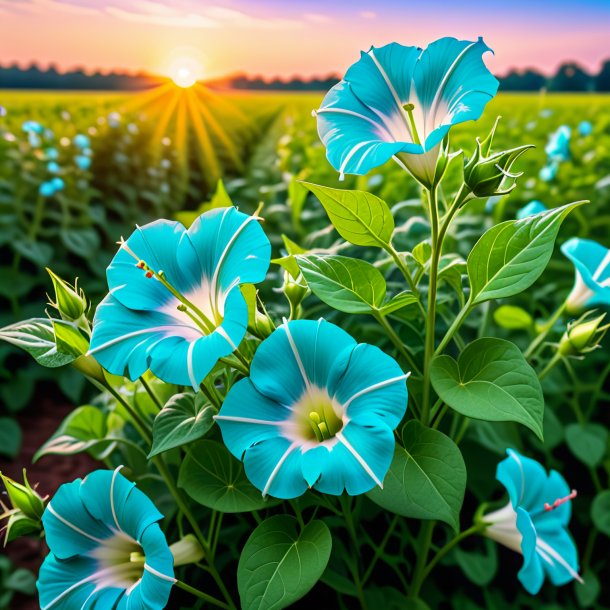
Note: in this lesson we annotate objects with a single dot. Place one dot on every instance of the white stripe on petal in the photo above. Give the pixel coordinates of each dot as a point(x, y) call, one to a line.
point(112, 507)
point(297, 356)
point(223, 333)
point(522, 493)
point(189, 365)
point(359, 116)
point(543, 548)
point(375, 386)
point(159, 574)
point(135, 333)
point(358, 457)
point(72, 526)
point(277, 467)
point(248, 420)
point(602, 266)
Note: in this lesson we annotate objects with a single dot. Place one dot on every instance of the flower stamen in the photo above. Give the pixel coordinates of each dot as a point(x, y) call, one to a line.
point(409, 110)
point(549, 507)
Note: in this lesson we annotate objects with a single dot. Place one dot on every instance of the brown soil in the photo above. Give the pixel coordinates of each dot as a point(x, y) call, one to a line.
point(38, 422)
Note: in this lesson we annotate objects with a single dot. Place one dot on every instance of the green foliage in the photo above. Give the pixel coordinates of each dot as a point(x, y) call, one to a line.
point(491, 380)
point(281, 562)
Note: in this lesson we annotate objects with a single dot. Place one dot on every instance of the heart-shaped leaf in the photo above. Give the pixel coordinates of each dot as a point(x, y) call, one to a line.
point(280, 562)
point(359, 217)
point(491, 380)
point(427, 478)
point(588, 442)
point(511, 256)
point(185, 418)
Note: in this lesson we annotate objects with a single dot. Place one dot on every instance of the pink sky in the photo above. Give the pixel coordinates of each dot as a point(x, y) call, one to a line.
point(273, 37)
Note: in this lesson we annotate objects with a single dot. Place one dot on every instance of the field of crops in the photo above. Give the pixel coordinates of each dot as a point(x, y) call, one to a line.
point(78, 171)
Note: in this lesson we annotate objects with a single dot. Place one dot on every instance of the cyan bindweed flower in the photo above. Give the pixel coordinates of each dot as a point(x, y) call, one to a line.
point(58, 184)
point(558, 146)
point(530, 209)
point(51, 154)
point(400, 102)
point(82, 162)
point(32, 127)
point(53, 167)
point(34, 139)
point(592, 281)
point(81, 141)
point(324, 418)
point(585, 128)
point(47, 189)
point(174, 304)
point(534, 522)
point(549, 172)
point(107, 549)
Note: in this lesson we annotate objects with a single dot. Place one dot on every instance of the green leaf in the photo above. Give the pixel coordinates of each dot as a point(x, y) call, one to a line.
point(479, 568)
point(214, 478)
point(85, 429)
point(82, 242)
point(427, 479)
point(10, 437)
point(398, 302)
point(600, 511)
point(511, 256)
point(280, 564)
point(21, 581)
point(36, 336)
point(513, 318)
point(587, 591)
point(347, 284)
point(588, 442)
point(184, 419)
point(491, 380)
point(69, 339)
point(359, 217)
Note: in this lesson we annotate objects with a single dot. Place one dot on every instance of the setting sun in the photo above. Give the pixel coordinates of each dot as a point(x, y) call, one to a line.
point(184, 77)
point(184, 68)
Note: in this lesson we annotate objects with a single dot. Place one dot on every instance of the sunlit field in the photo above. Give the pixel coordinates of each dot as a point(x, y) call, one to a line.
point(79, 171)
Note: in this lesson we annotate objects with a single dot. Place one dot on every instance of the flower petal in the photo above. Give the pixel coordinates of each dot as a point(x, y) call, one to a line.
point(452, 85)
point(373, 386)
point(158, 577)
point(531, 573)
point(274, 467)
point(69, 528)
point(525, 480)
point(114, 500)
point(592, 263)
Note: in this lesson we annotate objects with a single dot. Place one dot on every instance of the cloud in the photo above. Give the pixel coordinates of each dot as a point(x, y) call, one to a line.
point(368, 14)
point(155, 13)
point(39, 6)
point(317, 18)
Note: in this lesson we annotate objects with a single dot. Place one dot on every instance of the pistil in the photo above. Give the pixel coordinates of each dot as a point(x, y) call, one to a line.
point(549, 507)
point(409, 110)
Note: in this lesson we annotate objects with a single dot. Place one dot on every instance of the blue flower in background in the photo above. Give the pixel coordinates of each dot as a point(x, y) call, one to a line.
point(81, 141)
point(53, 167)
point(51, 154)
point(318, 410)
point(549, 172)
point(592, 282)
point(534, 522)
point(32, 127)
point(532, 208)
point(585, 128)
point(174, 304)
point(2, 111)
point(47, 189)
point(34, 139)
point(558, 146)
point(107, 549)
point(58, 184)
point(82, 162)
point(399, 99)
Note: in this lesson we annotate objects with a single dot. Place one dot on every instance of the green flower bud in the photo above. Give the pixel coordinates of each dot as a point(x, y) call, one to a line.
point(489, 175)
point(583, 335)
point(187, 550)
point(24, 499)
point(70, 300)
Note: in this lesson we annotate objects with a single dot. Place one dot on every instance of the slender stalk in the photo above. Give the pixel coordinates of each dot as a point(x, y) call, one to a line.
point(197, 593)
point(546, 329)
point(431, 313)
point(423, 544)
point(380, 549)
point(349, 523)
point(449, 546)
point(139, 424)
point(459, 320)
point(396, 340)
point(550, 366)
point(402, 266)
point(210, 395)
point(238, 366)
point(151, 393)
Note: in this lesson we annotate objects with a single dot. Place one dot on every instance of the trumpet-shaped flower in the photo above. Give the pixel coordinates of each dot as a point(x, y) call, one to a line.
point(585, 128)
point(174, 304)
point(399, 99)
point(534, 522)
point(530, 209)
point(592, 282)
point(107, 549)
point(558, 146)
point(318, 411)
point(81, 141)
point(82, 162)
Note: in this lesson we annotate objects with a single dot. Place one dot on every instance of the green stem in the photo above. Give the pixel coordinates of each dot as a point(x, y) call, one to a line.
point(402, 266)
point(349, 523)
point(201, 595)
point(546, 329)
point(459, 320)
point(151, 393)
point(550, 366)
point(396, 340)
point(238, 366)
point(431, 313)
point(139, 424)
point(449, 546)
point(380, 549)
point(210, 395)
point(423, 544)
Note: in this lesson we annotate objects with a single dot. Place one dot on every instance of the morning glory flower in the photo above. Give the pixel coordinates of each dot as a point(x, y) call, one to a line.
point(32, 127)
point(592, 281)
point(81, 141)
point(530, 209)
point(107, 549)
point(585, 128)
point(51, 154)
point(82, 162)
point(324, 419)
point(47, 189)
point(174, 304)
point(549, 172)
point(558, 146)
point(534, 522)
point(58, 184)
point(53, 167)
point(400, 102)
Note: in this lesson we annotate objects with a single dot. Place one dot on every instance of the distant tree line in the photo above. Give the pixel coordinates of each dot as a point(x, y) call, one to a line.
point(570, 76)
